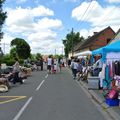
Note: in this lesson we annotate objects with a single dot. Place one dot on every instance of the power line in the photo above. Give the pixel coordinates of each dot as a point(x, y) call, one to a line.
point(84, 14)
point(108, 15)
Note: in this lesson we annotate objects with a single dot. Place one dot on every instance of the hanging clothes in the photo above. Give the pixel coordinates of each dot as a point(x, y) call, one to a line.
point(117, 67)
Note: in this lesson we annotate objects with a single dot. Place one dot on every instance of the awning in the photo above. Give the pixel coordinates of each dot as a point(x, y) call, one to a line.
point(84, 53)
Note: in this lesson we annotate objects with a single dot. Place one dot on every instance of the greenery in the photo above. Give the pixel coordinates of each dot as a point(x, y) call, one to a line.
point(8, 60)
point(38, 56)
point(3, 16)
point(21, 48)
point(71, 40)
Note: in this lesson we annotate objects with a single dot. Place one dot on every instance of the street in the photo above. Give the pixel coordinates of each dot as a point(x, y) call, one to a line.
point(49, 97)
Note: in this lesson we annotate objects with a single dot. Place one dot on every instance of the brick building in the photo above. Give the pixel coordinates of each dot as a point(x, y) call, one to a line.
point(99, 39)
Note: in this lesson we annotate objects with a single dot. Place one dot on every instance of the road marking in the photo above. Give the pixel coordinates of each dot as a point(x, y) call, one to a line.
point(40, 85)
point(22, 109)
point(12, 98)
point(46, 76)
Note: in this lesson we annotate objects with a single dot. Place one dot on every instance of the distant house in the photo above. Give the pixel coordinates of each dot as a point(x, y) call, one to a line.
point(99, 39)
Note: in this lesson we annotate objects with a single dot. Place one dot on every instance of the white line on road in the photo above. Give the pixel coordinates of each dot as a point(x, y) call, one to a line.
point(46, 76)
point(40, 85)
point(22, 109)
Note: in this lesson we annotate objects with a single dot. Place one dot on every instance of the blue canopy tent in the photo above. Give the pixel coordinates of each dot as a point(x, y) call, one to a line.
point(113, 47)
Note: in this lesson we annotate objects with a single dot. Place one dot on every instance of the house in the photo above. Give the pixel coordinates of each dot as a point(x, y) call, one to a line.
point(99, 39)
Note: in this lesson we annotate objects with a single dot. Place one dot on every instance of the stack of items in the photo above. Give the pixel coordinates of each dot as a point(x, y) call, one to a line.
point(4, 85)
point(112, 98)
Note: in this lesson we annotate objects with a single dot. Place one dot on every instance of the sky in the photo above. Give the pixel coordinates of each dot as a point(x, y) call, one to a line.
point(44, 23)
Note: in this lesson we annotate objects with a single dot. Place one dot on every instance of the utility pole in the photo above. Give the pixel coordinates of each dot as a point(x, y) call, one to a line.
point(62, 50)
point(4, 47)
point(72, 42)
point(55, 51)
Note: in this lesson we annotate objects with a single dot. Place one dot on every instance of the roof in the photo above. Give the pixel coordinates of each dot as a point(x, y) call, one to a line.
point(113, 47)
point(91, 39)
point(117, 36)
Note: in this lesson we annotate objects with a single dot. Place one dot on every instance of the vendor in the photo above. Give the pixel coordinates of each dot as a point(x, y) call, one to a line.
point(98, 66)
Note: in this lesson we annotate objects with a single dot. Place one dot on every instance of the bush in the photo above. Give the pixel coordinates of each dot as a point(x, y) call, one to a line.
point(9, 62)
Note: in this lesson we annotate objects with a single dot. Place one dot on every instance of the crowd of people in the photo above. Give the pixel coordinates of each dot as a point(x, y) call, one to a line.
point(84, 65)
point(54, 65)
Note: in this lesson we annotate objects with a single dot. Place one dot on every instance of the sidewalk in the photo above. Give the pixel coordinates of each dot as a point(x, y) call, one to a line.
point(114, 112)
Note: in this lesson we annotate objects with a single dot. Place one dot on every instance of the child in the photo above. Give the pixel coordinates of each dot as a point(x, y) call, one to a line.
point(55, 68)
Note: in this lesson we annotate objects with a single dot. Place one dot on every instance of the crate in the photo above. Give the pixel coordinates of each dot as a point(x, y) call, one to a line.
point(112, 102)
point(93, 82)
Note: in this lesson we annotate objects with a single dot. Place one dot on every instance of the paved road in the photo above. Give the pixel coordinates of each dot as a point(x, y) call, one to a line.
point(49, 97)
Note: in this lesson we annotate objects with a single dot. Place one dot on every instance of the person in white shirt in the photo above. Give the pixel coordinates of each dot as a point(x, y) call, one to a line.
point(98, 65)
point(75, 67)
point(49, 63)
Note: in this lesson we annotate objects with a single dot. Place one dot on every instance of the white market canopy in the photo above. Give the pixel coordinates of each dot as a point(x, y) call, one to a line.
point(84, 53)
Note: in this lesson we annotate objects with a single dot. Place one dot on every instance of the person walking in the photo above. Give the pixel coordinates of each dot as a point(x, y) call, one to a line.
point(75, 68)
point(41, 63)
point(49, 64)
point(16, 70)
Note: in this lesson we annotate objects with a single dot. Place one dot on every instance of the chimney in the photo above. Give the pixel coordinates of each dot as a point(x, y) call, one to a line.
point(95, 33)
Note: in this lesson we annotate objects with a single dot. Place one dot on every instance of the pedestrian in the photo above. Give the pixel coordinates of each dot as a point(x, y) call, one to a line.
point(16, 70)
point(49, 64)
point(60, 64)
point(41, 63)
point(75, 67)
point(69, 63)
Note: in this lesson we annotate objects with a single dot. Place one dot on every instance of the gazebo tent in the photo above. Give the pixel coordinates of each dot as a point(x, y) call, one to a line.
point(113, 47)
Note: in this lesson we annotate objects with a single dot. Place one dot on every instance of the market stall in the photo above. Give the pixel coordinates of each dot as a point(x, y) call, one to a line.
point(106, 50)
point(110, 74)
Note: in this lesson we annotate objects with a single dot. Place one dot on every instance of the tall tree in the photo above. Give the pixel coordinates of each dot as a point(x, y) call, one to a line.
point(3, 16)
point(22, 48)
point(70, 41)
point(2, 20)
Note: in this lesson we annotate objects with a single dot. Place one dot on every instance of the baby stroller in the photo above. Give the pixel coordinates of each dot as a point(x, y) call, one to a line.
point(83, 75)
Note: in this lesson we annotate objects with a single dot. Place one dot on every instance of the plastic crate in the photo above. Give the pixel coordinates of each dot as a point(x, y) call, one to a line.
point(112, 102)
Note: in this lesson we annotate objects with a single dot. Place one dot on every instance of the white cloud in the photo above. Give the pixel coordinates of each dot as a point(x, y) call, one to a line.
point(34, 24)
point(42, 36)
point(42, 11)
point(95, 11)
point(5, 43)
point(49, 23)
point(113, 1)
point(84, 33)
point(99, 17)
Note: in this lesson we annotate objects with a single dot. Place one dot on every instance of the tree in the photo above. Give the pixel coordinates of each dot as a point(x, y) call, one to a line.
point(38, 56)
point(22, 48)
point(71, 40)
point(13, 52)
point(2, 20)
point(3, 16)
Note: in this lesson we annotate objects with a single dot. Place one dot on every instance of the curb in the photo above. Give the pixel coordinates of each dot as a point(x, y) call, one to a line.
point(112, 114)
point(101, 102)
